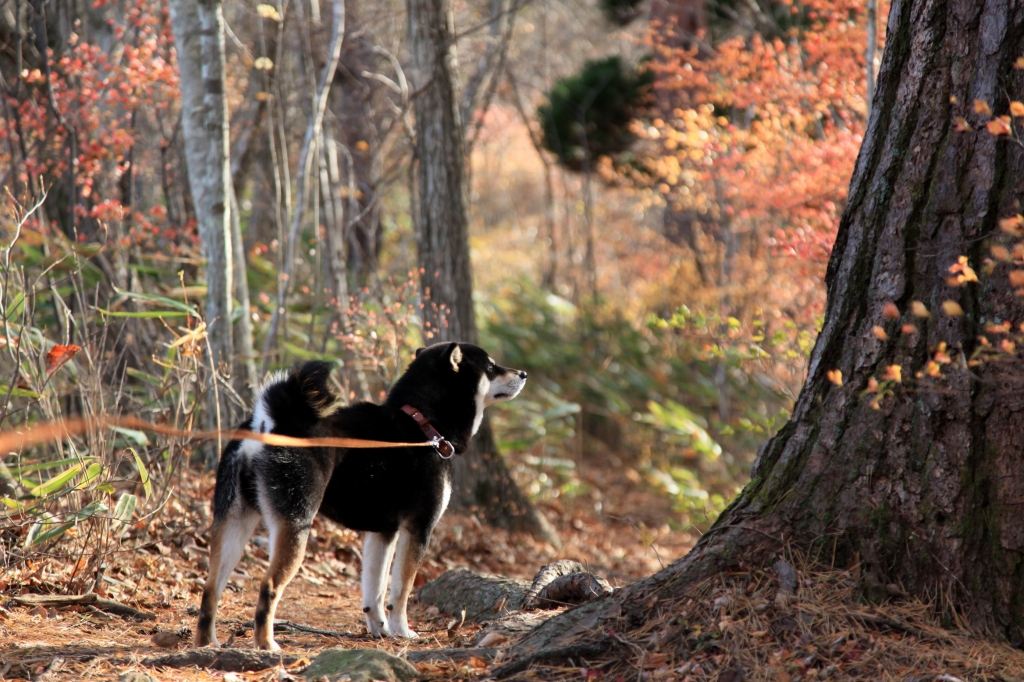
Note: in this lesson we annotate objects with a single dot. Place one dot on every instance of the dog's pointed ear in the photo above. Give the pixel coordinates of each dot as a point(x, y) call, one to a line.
point(418, 351)
point(455, 356)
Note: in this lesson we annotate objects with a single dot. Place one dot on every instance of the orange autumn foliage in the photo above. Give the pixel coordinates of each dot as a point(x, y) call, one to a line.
point(763, 133)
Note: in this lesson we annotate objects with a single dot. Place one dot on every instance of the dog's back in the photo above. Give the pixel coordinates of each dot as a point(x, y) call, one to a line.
point(290, 404)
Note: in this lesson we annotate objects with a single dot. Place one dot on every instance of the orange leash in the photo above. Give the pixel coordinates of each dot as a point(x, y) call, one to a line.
point(17, 439)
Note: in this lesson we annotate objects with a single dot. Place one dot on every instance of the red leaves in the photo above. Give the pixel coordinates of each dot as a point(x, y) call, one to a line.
point(58, 356)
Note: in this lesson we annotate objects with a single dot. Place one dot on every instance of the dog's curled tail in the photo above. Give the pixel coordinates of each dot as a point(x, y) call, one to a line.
point(314, 381)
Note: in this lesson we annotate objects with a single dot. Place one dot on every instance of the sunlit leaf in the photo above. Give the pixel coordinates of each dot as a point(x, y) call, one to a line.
point(136, 436)
point(268, 12)
point(58, 356)
point(952, 308)
point(999, 126)
point(123, 511)
point(55, 483)
point(147, 485)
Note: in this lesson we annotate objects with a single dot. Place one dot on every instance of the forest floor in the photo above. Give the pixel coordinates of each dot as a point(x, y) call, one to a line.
point(731, 629)
point(164, 572)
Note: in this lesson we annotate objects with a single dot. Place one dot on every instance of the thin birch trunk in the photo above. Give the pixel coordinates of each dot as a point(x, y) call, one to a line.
point(313, 136)
point(199, 34)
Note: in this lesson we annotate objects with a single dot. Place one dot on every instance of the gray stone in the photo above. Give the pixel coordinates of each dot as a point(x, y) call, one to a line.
point(360, 665)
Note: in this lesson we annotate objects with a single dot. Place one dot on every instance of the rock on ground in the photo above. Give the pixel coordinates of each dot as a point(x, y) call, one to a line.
point(360, 665)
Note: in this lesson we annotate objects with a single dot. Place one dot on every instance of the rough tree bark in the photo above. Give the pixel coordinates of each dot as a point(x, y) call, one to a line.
point(198, 27)
point(925, 490)
point(482, 481)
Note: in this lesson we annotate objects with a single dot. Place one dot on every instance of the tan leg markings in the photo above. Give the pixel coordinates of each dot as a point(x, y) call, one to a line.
point(228, 538)
point(286, 557)
point(408, 555)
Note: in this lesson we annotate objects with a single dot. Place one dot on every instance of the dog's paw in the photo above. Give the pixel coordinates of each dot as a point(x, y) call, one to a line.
point(400, 627)
point(378, 628)
point(406, 633)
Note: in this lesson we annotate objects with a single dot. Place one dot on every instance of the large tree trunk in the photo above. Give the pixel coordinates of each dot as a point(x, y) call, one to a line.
point(924, 488)
point(482, 481)
point(199, 36)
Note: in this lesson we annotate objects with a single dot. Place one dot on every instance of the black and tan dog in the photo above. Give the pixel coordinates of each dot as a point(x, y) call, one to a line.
point(396, 495)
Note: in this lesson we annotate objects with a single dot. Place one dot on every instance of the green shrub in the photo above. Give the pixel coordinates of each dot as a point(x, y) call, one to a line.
point(588, 114)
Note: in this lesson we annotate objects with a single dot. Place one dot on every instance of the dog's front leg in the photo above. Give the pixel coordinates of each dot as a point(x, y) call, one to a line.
point(408, 555)
point(378, 548)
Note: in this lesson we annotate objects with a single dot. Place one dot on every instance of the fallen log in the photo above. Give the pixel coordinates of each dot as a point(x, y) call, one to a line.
point(571, 589)
point(548, 574)
point(482, 596)
point(226, 660)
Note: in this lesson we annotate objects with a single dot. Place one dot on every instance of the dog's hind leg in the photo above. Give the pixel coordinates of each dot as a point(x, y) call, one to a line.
point(287, 547)
point(408, 555)
point(378, 548)
point(228, 538)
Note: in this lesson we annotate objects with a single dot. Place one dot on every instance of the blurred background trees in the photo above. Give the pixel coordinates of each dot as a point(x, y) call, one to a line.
point(631, 200)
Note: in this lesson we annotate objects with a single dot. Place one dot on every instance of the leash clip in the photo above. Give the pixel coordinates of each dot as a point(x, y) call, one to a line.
point(443, 448)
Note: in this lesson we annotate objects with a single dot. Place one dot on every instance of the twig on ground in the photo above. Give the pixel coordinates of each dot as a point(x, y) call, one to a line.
point(894, 624)
point(90, 599)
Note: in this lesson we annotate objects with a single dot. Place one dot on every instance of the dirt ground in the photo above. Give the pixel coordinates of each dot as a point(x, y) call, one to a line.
point(732, 629)
point(161, 571)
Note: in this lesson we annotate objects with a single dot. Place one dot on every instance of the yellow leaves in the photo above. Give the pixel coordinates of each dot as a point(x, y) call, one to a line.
point(1012, 224)
point(962, 126)
point(952, 308)
point(964, 272)
point(1000, 253)
point(1017, 108)
point(919, 309)
point(835, 376)
point(890, 311)
point(1008, 346)
point(264, 63)
point(893, 373)
point(363, 145)
point(268, 12)
point(879, 333)
point(941, 356)
point(999, 126)
point(981, 107)
point(1016, 278)
point(908, 329)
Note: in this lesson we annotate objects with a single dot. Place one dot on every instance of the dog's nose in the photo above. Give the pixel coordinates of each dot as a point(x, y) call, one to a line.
point(522, 374)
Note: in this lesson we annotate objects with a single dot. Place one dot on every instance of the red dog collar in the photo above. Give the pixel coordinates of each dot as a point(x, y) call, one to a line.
point(443, 447)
